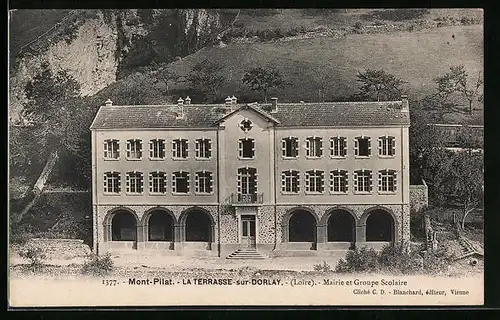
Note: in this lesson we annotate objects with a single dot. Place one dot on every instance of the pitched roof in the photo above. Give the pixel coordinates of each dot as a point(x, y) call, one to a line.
point(288, 115)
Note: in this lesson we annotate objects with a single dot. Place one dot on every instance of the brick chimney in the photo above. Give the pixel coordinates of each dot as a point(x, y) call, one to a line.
point(233, 99)
point(109, 103)
point(274, 106)
point(187, 100)
point(228, 100)
point(404, 103)
point(180, 113)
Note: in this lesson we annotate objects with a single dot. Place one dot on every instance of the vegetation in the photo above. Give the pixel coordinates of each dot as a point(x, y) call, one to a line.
point(393, 259)
point(263, 79)
point(35, 255)
point(98, 265)
point(206, 78)
point(397, 14)
point(324, 267)
point(379, 85)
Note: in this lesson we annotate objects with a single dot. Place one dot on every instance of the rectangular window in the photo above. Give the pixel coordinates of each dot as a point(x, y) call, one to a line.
point(315, 181)
point(111, 149)
point(157, 149)
point(158, 182)
point(363, 181)
point(112, 182)
point(290, 147)
point(180, 182)
point(203, 182)
point(338, 147)
point(338, 181)
point(362, 147)
point(386, 146)
point(134, 182)
point(246, 148)
point(290, 181)
point(203, 148)
point(180, 148)
point(387, 181)
point(314, 147)
point(134, 149)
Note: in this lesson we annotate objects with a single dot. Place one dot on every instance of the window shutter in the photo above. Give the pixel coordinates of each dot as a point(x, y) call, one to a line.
point(209, 150)
point(141, 185)
point(346, 177)
point(283, 147)
point(127, 183)
point(253, 148)
point(210, 183)
point(356, 147)
point(105, 148)
point(332, 146)
point(151, 151)
point(380, 180)
point(297, 179)
point(395, 175)
point(322, 177)
point(197, 148)
point(105, 184)
point(119, 182)
point(344, 147)
point(369, 146)
point(307, 178)
point(355, 180)
point(283, 184)
point(174, 180)
point(185, 146)
point(187, 182)
point(174, 149)
point(308, 146)
point(370, 181)
point(320, 141)
point(129, 145)
point(240, 148)
point(256, 183)
point(393, 145)
point(296, 147)
point(239, 182)
point(118, 147)
point(197, 182)
point(331, 180)
point(380, 151)
point(150, 180)
point(139, 142)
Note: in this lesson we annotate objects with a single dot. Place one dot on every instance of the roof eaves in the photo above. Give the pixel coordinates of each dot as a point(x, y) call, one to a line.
point(92, 127)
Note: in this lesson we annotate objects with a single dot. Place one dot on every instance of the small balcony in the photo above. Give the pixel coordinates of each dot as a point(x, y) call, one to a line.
point(237, 199)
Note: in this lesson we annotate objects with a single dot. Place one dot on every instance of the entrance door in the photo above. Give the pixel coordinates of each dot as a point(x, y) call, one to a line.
point(248, 231)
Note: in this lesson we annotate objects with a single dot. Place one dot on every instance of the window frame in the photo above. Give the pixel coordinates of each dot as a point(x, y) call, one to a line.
point(387, 173)
point(338, 173)
point(152, 179)
point(106, 151)
point(293, 175)
point(174, 183)
point(106, 183)
point(241, 148)
point(388, 140)
point(295, 143)
point(310, 140)
point(307, 188)
point(333, 147)
point(356, 181)
point(197, 151)
point(128, 183)
point(151, 149)
point(197, 182)
point(134, 142)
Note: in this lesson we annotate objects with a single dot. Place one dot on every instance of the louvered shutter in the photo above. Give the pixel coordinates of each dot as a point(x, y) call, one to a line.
point(197, 146)
point(139, 146)
point(307, 180)
point(129, 146)
point(240, 148)
point(253, 148)
point(369, 146)
point(322, 180)
point(283, 181)
point(370, 181)
point(197, 182)
point(356, 147)
point(187, 182)
point(239, 182)
point(393, 146)
point(308, 147)
point(105, 184)
point(380, 151)
point(127, 182)
point(256, 183)
point(395, 175)
point(344, 146)
point(105, 148)
point(332, 146)
point(151, 150)
point(117, 148)
point(174, 182)
point(185, 146)
point(296, 179)
point(346, 177)
point(380, 180)
point(141, 185)
point(150, 180)
point(210, 183)
point(320, 141)
point(283, 147)
point(332, 181)
point(355, 181)
point(119, 182)
point(209, 149)
point(174, 149)
point(295, 147)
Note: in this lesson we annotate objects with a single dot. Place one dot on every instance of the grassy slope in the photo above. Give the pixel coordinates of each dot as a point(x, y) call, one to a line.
point(416, 57)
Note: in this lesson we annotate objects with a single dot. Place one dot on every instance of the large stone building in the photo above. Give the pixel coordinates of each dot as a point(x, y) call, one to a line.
point(283, 178)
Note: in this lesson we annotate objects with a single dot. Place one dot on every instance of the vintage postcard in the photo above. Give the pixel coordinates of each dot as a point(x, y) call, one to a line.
point(245, 157)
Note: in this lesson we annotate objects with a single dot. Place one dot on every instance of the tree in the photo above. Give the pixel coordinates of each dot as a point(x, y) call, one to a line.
point(206, 78)
point(262, 80)
point(453, 88)
point(380, 85)
point(461, 181)
point(167, 77)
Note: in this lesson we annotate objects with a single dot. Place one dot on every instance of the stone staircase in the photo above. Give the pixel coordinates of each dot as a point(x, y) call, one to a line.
point(246, 253)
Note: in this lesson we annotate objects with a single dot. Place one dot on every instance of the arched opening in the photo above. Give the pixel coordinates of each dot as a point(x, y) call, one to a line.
point(123, 227)
point(160, 226)
point(302, 227)
point(341, 227)
point(380, 226)
point(198, 226)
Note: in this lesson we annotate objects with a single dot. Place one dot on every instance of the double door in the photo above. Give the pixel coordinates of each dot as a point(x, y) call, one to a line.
point(248, 238)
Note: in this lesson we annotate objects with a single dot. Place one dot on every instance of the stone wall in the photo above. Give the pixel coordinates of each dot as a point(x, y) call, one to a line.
point(419, 197)
point(61, 248)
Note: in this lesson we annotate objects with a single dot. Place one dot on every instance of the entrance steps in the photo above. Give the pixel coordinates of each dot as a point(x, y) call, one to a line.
point(246, 253)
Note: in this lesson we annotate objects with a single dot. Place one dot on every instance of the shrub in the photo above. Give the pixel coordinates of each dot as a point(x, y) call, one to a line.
point(98, 265)
point(324, 267)
point(35, 255)
point(397, 14)
point(359, 260)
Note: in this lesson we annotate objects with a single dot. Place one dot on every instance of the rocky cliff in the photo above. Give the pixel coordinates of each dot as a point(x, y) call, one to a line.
point(98, 46)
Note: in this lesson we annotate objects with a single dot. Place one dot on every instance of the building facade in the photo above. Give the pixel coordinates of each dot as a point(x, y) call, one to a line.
point(280, 178)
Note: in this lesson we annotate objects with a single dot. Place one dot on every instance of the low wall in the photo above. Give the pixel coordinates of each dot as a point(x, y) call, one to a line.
point(419, 197)
point(61, 248)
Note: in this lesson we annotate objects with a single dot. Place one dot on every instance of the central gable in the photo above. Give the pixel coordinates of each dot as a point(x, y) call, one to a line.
point(250, 112)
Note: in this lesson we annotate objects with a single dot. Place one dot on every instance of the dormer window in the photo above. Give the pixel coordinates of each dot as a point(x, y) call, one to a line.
point(246, 125)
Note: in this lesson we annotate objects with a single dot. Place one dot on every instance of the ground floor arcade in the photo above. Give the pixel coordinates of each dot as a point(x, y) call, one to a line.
point(272, 230)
